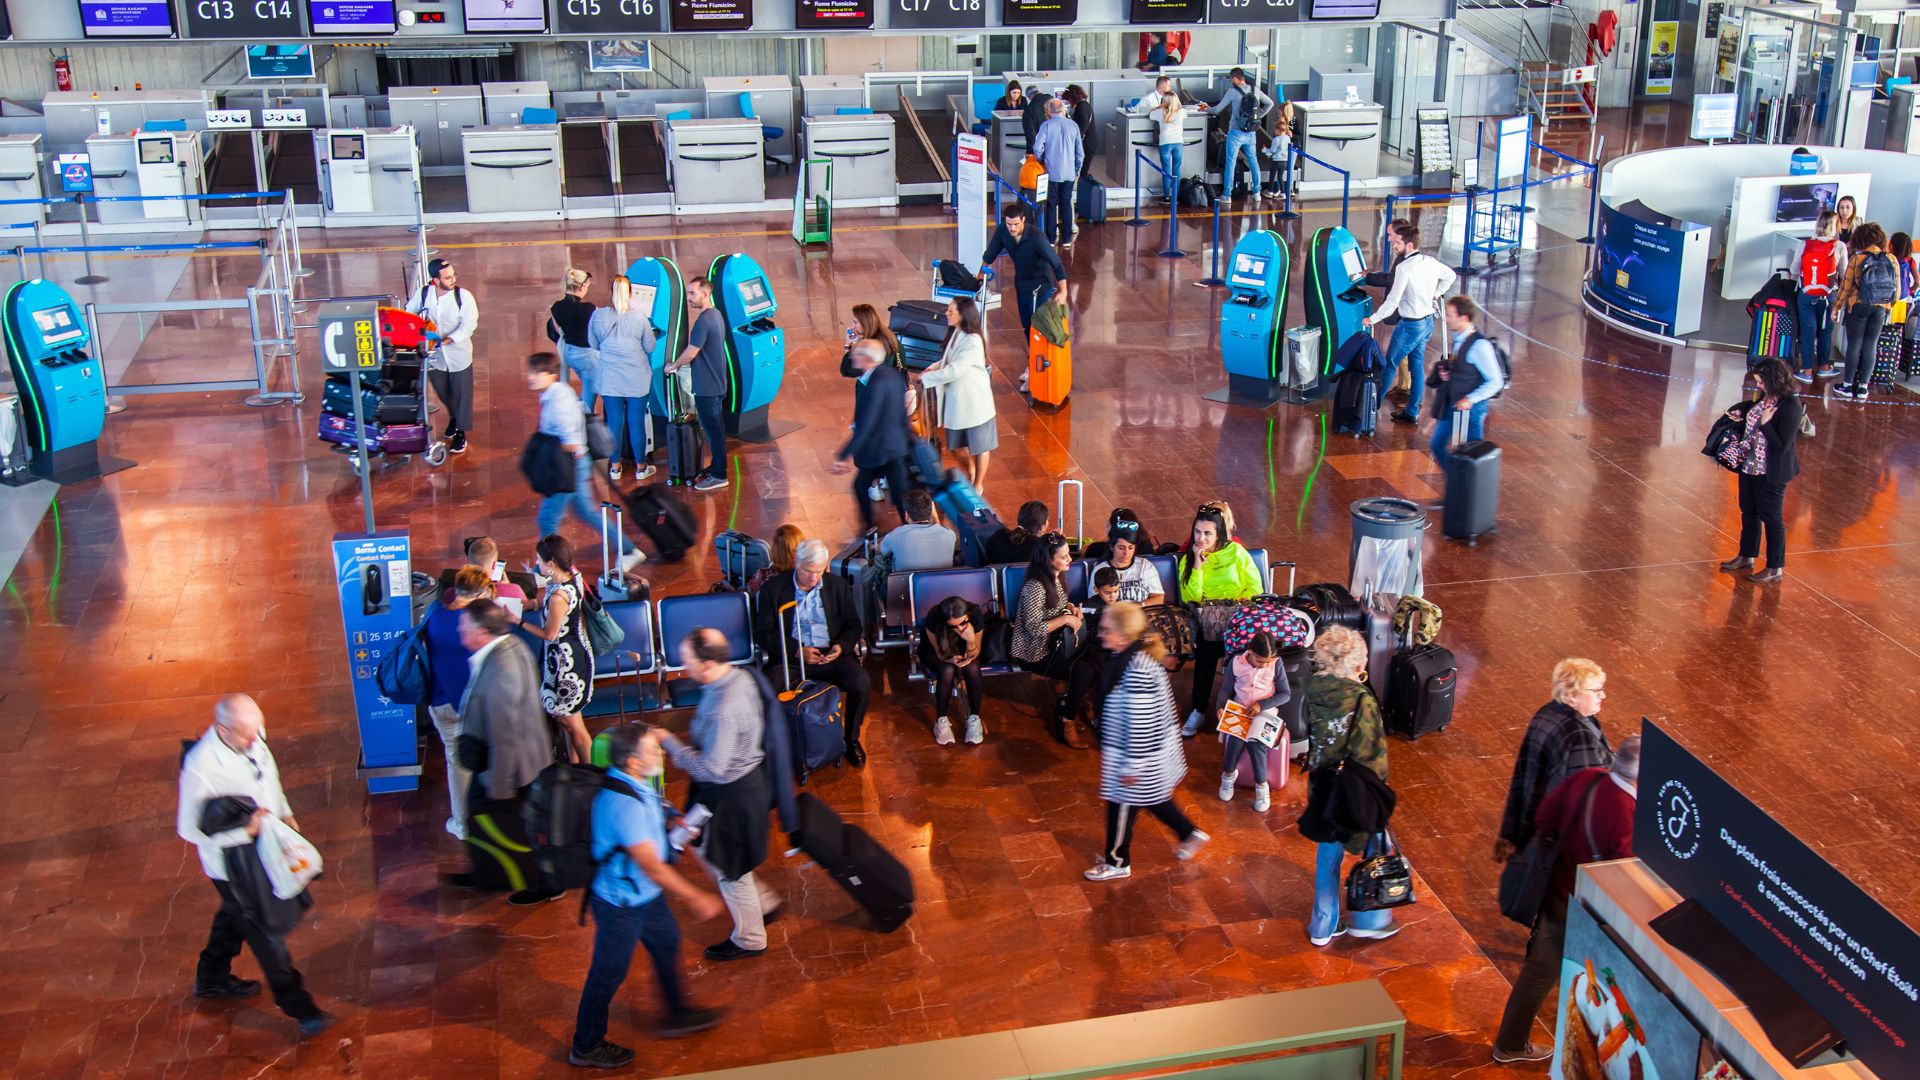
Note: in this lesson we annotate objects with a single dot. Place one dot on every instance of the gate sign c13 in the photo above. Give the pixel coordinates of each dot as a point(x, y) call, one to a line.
point(258, 20)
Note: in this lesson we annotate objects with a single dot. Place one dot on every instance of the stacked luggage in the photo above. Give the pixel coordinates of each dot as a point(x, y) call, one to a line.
point(921, 326)
point(393, 403)
point(1774, 333)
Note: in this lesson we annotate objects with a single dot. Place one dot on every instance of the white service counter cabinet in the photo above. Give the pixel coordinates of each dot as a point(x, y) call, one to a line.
point(862, 152)
point(512, 169)
point(716, 165)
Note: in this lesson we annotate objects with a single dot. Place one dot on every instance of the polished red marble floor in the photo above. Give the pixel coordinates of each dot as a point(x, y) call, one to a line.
point(204, 570)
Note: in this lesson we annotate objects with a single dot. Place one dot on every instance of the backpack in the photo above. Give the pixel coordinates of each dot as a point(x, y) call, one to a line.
point(1273, 615)
point(559, 818)
point(1817, 265)
point(1878, 280)
point(1500, 354)
point(427, 290)
point(405, 677)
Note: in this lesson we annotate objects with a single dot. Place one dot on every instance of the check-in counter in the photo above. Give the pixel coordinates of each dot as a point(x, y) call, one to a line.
point(771, 98)
point(1130, 133)
point(73, 116)
point(501, 103)
point(826, 95)
point(512, 169)
point(716, 165)
point(862, 152)
point(1009, 144)
point(155, 163)
point(20, 178)
point(437, 114)
point(366, 174)
point(1342, 135)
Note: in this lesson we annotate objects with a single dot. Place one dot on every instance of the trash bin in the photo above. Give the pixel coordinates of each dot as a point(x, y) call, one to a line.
point(1385, 554)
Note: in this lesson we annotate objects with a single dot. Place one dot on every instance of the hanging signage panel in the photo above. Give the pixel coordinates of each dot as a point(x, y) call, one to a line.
point(126, 18)
point(351, 16)
point(253, 19)
point(936, 14)
point(833, 14)
point(1165, 12)
point(1256, 11)
point(690, 16)
point(617, 19)
point(1039, 12)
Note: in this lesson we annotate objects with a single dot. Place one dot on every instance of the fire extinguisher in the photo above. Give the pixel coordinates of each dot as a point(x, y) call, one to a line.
point(62, 74)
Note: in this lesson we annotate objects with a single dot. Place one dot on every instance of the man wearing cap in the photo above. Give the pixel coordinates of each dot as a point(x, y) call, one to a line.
point(450, 365)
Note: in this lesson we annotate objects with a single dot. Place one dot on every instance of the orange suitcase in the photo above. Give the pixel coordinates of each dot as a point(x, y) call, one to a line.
point(1049, 369)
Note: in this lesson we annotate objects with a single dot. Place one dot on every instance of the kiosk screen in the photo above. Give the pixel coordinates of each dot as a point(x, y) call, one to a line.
point(156, 151)
point(642, 298)
point(1355, 266)
point(753, 296)
point(348, 148)
point(56, 324)
point(1248, 270)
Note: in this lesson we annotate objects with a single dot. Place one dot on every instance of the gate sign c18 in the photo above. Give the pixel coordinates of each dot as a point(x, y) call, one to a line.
point(1848, 957)
point(936, 14)
point(610, 18)
point(1256, 11)
point(255, 19)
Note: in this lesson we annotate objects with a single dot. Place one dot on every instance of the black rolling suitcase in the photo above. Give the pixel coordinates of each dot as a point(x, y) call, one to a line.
point(666, 521)
point(923, 319)
point(1473, 487)
point(683, 441)
point(1091, 203)
point(1420, 684)
point(876, 880)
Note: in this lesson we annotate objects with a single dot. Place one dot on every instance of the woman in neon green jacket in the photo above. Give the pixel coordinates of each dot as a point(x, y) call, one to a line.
point(1214, 567)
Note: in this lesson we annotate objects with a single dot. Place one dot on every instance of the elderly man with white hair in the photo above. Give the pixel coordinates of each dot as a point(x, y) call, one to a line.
point(232, 760)
point(1059, 147)
point(810, 614)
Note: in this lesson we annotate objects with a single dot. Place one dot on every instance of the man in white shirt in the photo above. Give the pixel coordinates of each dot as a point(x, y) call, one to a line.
point(232, 759)
point(1420, 281)
point(450, 364)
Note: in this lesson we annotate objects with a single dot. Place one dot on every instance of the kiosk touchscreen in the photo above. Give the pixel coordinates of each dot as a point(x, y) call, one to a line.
point(63, 390)
point(348, 174)
point(1252, 333)
point(659, 291)
point(1336, 300)
point(159, 165)
point(756, 348)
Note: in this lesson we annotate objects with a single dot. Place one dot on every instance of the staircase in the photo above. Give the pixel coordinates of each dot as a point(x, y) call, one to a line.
point(1546, 46)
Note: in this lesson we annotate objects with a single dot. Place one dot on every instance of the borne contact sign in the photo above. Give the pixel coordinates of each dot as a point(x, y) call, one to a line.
point(254, 19)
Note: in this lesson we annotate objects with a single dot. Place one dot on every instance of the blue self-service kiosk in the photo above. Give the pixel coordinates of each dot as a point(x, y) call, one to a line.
point(756, 348)
point(1335, 298)
point(63, 390)
point(1252, 321)
point(659, 291)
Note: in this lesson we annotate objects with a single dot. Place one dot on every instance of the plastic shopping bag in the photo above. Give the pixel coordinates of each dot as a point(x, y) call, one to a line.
point(290, 860)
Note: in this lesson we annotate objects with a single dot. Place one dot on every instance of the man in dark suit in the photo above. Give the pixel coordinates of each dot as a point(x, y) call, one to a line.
point(809, 614)
point(504, 740)
point(878, 445)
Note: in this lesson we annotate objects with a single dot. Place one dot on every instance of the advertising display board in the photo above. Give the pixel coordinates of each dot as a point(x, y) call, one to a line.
point(936, 14)
point(1256, 11)
point(350, 16)
point(1641, 268)
point(970, 199)
point(1039, 12)
point(1713, 115)
point(1663, 38)
point(612, 18)
point(126, 18)
point(1850, 959)
point(1165, 12)
point(375, 578)
point(833, 14)
point(711, 15)
point(253, 19)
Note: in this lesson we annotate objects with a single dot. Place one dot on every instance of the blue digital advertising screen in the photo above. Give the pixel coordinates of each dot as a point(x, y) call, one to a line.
point(1638, 265)
point(351, 16)
point(126, 18)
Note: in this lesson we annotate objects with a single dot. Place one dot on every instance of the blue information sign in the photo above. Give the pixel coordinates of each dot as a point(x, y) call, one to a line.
point(375, 579)
point(76, 173)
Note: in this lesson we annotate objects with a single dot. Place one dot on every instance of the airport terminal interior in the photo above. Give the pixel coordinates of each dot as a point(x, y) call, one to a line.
point(211, 216)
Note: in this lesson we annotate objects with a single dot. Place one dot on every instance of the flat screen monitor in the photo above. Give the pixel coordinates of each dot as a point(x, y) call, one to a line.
point(351, 16)
point(1803, 202)
point(833, 14)
point(156, 151)
point(1165, 12)
point(126, 18)
point(347, 148)
point(1039, 12)
point(1355, 266)
point(642, 299)
point(711, 15)
point(57, 325)
point(1249, 270)
point(506, 16)
point(1344, 9)
point(753, 296)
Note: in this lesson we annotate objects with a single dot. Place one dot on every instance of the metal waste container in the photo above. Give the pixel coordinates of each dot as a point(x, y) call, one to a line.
point(1385, 554)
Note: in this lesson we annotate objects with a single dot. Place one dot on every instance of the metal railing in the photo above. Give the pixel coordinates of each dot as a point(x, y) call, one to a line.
point(1542, 76)
point(1495, 241)
point(1346, 183)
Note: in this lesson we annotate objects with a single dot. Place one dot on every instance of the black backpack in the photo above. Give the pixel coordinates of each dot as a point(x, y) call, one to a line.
point(1879, 280)
point(1499, 352)
point(559, 819)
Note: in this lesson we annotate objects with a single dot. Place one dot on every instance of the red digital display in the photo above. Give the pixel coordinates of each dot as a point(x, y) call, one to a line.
point(432, 17)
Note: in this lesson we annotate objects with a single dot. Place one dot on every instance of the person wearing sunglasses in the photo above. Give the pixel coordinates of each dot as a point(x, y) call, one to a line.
point(1214, 566)
point(1562, 738)
point(950, 647)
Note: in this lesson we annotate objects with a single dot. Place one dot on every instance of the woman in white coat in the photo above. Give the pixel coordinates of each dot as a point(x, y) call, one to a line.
point(966, 403)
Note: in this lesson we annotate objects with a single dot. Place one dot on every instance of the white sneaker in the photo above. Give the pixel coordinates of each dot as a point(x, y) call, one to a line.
point(1191, 845)
point(1192, 727)
point(976, 731)
point(943, 731)
point(1381, 934)
point(874, 492)
point(632, 559)
point(1338, 931)
point(1102, 872)
point(613, 471)
point(1023, 381)
point(1262, 798)
point(643, 472)
point(1226, 785)
point(456, 829)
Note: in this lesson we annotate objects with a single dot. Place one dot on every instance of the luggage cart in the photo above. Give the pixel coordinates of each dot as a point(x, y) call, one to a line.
point(398, 392)
point(985, 296)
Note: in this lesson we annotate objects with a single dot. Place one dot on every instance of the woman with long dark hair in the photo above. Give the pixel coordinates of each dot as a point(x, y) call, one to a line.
point(1865, 300)
point(966, 404)
point(950, 643)
point(566, 663)
point(1768, 459)
point(1141, 759)
point(1048, 627)
point(1213, 567)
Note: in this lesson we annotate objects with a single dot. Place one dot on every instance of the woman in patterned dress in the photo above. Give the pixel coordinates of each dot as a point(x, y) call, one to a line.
point(566, 664)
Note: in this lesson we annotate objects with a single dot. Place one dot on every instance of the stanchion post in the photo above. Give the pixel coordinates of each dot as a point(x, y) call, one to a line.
point(300, 267)
point(1593, 194)
point(1214, 279)
point(259, 398)
point(86, 247)
point(1172, 250)
point(1466, 267)
point(1136, 220)
point(20, 257)
point(1346, 191)
point(40, 244)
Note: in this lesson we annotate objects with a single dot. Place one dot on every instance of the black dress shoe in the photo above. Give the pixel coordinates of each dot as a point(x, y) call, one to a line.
point(691, 1022)
point(460, 881)
point(856, 755)
point(535, 897)
point(229, 987)
point(314, 1025)
point(727, 950)
point(1403, 417)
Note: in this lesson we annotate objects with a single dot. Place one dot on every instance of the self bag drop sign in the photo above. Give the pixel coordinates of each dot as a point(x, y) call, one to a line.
point(1847, 956)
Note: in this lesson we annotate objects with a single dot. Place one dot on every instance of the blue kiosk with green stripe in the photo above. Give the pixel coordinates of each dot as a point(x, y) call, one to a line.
point(756, 348)
point(63, 390)
point(1253, 318)
point(659, 291)
point(1336, 299)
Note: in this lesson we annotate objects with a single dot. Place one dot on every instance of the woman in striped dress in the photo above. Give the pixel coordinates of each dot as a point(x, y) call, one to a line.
point(1141, 757)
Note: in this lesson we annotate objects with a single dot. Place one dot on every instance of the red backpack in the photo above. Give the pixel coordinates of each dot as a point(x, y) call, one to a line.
point(1817, 265)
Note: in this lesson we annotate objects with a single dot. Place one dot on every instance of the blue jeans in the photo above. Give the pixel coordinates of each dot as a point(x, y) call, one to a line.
point(580, 500)
point(1409, 343)
point(586, 364)
point(712, 410)
point(1816, 331)
point(1060, 195)
point(1327, 890)
point(627, 420)
point(1443, 430)
point(1240, 143)
point(1170, 164)
point(615, 932)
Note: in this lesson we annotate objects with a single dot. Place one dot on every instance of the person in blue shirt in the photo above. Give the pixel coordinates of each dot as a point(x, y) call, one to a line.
point(448, 662)
point(1244, 105)
point(628, 899)
point(1466, 391)
point(1060, 147)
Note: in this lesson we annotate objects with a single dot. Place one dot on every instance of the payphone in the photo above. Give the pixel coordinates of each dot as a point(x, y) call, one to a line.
point(1336, 301)
point(659, 291)
point(1252, 320)
point(756, 348)
point(63, 390)
point(347, 173)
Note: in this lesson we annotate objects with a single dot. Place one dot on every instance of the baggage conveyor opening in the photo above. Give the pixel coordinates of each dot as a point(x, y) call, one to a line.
point(923, 143)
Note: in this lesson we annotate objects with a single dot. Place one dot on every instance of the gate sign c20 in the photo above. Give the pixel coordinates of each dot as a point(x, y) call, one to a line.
point(1848, 957)
point(259, 20)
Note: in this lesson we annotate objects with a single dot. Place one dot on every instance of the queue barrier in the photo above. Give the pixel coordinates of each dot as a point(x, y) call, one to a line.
point(1171, 251)
point(1346, 183)
point(1474, 192)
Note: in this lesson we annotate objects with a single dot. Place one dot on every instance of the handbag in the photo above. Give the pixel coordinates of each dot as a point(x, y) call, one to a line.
point(1214, 616)
point(603, 633)
point(1380, 881)
point(1177, 627)
point(599, 439)
point(1526, 877)
point(1725, 431)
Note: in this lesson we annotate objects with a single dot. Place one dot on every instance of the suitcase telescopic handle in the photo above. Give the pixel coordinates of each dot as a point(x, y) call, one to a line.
point(781, 618)
point(1079, 508)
